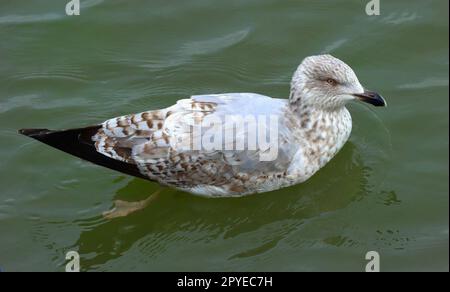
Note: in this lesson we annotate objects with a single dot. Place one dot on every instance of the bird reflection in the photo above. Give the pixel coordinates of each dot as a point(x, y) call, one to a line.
point(182, 219)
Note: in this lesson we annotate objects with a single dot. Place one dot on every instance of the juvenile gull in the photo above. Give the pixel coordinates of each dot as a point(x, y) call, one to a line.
point(313, 125)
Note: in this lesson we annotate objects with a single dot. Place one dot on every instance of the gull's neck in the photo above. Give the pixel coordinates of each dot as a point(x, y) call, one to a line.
point(307, 112)
point(320, 134)
point(307, 117)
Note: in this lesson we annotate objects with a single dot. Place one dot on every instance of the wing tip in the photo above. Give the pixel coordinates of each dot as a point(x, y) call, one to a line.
point(34, 132)
point(78, 142)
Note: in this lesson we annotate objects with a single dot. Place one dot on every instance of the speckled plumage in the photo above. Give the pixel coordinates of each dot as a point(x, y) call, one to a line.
point(313, 126)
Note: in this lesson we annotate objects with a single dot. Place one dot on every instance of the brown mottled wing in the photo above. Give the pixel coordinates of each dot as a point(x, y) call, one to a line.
point(147, 140)
point(119, 137)
point(159, 142)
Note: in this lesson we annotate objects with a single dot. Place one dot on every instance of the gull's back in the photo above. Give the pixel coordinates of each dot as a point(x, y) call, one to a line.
point(159, 143)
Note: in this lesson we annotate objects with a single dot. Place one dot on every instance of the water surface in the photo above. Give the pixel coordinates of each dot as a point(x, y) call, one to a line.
point(387, 190)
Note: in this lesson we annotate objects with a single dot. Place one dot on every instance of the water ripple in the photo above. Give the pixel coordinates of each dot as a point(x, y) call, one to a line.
point(54, 76)
point(214, 44)
point(56, 72)
point(399, 18)
point(20, 19)
point(427, 83)
point(335, 45)
point(35, 101)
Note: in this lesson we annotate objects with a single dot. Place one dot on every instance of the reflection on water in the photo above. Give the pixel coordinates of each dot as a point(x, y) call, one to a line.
point(184, 219)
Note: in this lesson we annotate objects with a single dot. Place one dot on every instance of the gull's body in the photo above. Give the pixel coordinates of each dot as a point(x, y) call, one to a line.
point(313, 125)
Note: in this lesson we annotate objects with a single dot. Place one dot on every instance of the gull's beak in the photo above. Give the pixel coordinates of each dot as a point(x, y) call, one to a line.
point(371, 97)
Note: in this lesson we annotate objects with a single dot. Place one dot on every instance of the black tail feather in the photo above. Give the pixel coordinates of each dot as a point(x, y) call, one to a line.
point(78, 142)
point(33, 132)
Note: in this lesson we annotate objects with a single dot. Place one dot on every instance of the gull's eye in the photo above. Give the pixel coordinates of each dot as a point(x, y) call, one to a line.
point(331, 81)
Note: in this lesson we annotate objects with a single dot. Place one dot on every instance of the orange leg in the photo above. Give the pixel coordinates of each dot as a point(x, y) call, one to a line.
point(124, 208)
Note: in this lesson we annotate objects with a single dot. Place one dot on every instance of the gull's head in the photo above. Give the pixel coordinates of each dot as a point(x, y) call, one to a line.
point(328, 83)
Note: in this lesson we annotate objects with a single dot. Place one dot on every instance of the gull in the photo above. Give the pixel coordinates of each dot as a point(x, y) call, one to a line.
point(312, 125)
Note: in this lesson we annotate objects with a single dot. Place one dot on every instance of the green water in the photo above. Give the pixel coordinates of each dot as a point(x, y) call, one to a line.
point(387, 190)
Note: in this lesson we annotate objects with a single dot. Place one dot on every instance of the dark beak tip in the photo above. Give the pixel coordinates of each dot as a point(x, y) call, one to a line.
point(373, 98)
point(381, 101)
